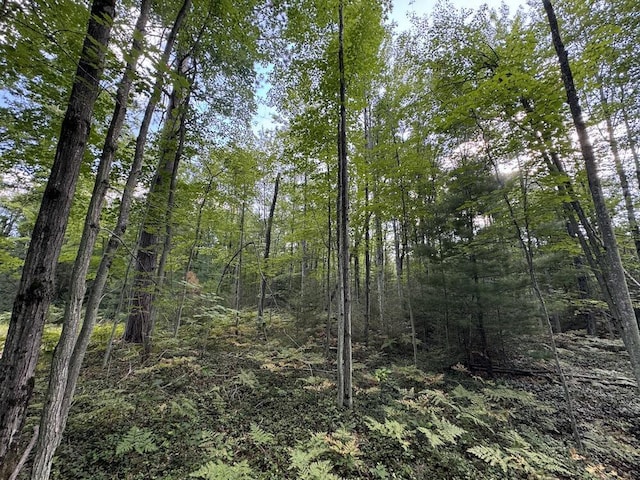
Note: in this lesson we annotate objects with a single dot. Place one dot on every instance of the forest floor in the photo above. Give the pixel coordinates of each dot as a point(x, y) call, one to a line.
point(214, 405)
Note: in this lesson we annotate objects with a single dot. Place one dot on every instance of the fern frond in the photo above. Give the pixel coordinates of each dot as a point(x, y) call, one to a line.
point(259, 436)
point(136, 440)
point(501, 394)
point(221, 471)
point(494, 456)
point(391, 429)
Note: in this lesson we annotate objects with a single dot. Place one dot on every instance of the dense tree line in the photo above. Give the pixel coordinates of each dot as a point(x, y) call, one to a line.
point(445, 188)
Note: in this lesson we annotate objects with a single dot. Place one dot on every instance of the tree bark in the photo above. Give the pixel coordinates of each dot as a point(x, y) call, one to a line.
point(238, 288)
point(168, 217)
point(36, 287)
point(95, 295)
point(344, 357)
point(139, 323)
point(622, 308)
point(53, 420)
point(384, 326)
point(192, 251)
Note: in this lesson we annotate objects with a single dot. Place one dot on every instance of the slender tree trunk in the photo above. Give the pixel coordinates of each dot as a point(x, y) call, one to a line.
point(589, 240)
point(267, 249)
point(303, 261)
point(36, 288)
point(328, 272)
point(52, 422)
point(380, 274)
point(622, 176)
point(527, 249)
point(139, 323)
point(613, 271)
point(192, 251)
point(367, 227)
point(344, 358)
point(168, 221)
point(95, 296)
point(445, 293)
point(238, 286)
point(633, 146)
point(398, 257)
point(367, 273)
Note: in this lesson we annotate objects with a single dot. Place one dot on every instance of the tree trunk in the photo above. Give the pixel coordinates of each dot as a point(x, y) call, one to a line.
point(367, 271)
point(95, 296)
point(267, 249)
point(622, 308)
point(328, 272)
point(384, 327)
point(238, 286)
point(139, 323)
point(633, 146)
point(622, 176)
point(344, 357)
point(192, 251)
point(36, 287)
point(526, 244)
point(168, 218)
point(53, 422)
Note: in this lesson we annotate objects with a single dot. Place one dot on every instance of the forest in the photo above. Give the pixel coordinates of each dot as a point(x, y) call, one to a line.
point(294, 239)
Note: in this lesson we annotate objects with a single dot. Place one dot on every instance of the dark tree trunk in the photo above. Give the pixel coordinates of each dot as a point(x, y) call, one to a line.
point(621, 306)
point(36, 287)
point(267, 250)
point(53, 419)
point(238, 280)
point(344, 357)
point(139, 323)
point(95, 295)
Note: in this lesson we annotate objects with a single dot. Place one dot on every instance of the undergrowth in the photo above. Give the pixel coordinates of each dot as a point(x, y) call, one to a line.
point(212, 405)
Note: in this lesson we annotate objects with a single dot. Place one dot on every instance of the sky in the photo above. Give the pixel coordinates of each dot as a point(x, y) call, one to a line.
point(401, 8)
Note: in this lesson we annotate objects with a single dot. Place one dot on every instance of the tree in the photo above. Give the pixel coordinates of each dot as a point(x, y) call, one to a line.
point(157, 213)
point(613, 271)
point(22, 345)
point(54, 417)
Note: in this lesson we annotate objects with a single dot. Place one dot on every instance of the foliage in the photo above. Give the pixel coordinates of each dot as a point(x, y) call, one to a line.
point(136, 440)
point(218, 470)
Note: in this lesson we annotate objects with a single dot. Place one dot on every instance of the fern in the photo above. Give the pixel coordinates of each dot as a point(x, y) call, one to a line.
point(221, 471)
point(443, 432)
point(304, 462)
point(138, 440)
point(247, 378)
point(502, 394)
point(259, 436)
point(344, 444)
point(216, 445)
point(494, 456)
point(183, 407)
point(391, 429)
